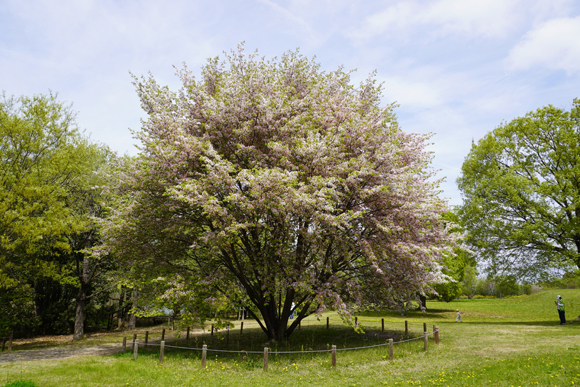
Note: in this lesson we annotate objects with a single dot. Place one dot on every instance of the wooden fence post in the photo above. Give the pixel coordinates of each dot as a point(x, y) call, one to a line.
point(426, 341)
point(334, 355)
point(424, 327)
point(265, 358)
point(406, 328)
point(187, 337)
point(241, 328)
point(212, 329)
point(146, 337)
point(327, 322)
point(124, 343)
point(161, 352)
point(436, 334)
point(135, 349)
point(10, 340)
point(391, 349)
point(163, 334)
point(203, 355)
point(356, 321)
point(382, 325)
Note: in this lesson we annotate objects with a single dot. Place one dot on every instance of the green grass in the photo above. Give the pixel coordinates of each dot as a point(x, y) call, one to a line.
point(502, 342)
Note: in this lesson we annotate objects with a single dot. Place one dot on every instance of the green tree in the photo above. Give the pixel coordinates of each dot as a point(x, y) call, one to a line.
point(469, 282)
point(453, 264)
point(521, 188)
point(46, 198)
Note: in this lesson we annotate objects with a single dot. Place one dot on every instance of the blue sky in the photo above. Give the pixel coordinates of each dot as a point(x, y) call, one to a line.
point(457, 68)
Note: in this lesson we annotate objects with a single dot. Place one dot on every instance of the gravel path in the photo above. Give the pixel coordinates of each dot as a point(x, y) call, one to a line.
point(58, 353)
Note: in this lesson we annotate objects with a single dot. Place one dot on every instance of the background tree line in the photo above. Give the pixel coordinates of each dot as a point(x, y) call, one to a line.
point(268, 186)
point(49, 199)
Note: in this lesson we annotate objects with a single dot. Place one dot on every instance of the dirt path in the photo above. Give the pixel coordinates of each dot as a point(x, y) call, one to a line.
point(58, 353)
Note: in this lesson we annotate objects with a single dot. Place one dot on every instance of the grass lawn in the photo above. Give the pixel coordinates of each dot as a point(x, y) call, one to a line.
point(502, 342)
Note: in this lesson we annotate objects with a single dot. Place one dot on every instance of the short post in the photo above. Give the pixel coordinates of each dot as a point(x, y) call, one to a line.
point(391, 349)
point(124, 343)
point(382, 325)
point(135, 346)
point(161, 352)
point(146, 337)
point(327, 322)
point(426, 341)
point(406, 328)
point(334, 355)
point(10, 340)
point(212, 329)
point(203, 355)
point(163, 334)
point(187, 337)
point(265, 358)
point(436, 334)
point(241, 328)
point(424, 327)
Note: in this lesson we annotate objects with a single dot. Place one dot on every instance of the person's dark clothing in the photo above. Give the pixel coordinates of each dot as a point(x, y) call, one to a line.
point(562, 317)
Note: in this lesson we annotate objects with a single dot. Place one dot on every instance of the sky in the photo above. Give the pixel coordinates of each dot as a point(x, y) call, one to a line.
point(456, 68)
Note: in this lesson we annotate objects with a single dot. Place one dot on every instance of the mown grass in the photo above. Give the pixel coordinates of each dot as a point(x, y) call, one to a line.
point(515, 341)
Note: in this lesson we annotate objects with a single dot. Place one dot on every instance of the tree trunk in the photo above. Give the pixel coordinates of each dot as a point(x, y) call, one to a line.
point(132, 321)
point(120, 313)
point(277, 314)
point(132, 317)
point(423, 300)
point(79, 329)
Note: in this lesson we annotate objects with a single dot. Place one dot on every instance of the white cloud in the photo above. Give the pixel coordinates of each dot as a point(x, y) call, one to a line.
point(475, 18)
point(412, 95)
point(554, 44)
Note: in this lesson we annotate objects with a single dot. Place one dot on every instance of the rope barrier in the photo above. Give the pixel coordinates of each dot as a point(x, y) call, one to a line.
point(286, 352)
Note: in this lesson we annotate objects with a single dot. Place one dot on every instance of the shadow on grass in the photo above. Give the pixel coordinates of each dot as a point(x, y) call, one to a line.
point(313, 338)
point(429, 313)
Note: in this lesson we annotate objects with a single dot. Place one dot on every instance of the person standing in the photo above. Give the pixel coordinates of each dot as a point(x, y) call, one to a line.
point(458, 319)
point(561, 309)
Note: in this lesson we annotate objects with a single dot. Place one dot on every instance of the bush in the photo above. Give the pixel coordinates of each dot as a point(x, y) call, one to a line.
point(21, 383)
point(526, 289)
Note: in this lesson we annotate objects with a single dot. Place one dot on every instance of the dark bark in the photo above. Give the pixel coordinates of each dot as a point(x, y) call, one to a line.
point(120, 313)
point(132, 316)
point(423, 300)
point(79, 329)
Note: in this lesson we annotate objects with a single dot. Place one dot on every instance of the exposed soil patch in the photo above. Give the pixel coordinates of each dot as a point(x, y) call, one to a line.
point(59, 353)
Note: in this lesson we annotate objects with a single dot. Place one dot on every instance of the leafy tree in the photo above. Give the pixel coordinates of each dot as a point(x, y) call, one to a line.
point(46, 203)
point(521, 188)
point(507, 285)
point(454, 265)
point(469, 282)
point(272, 182)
